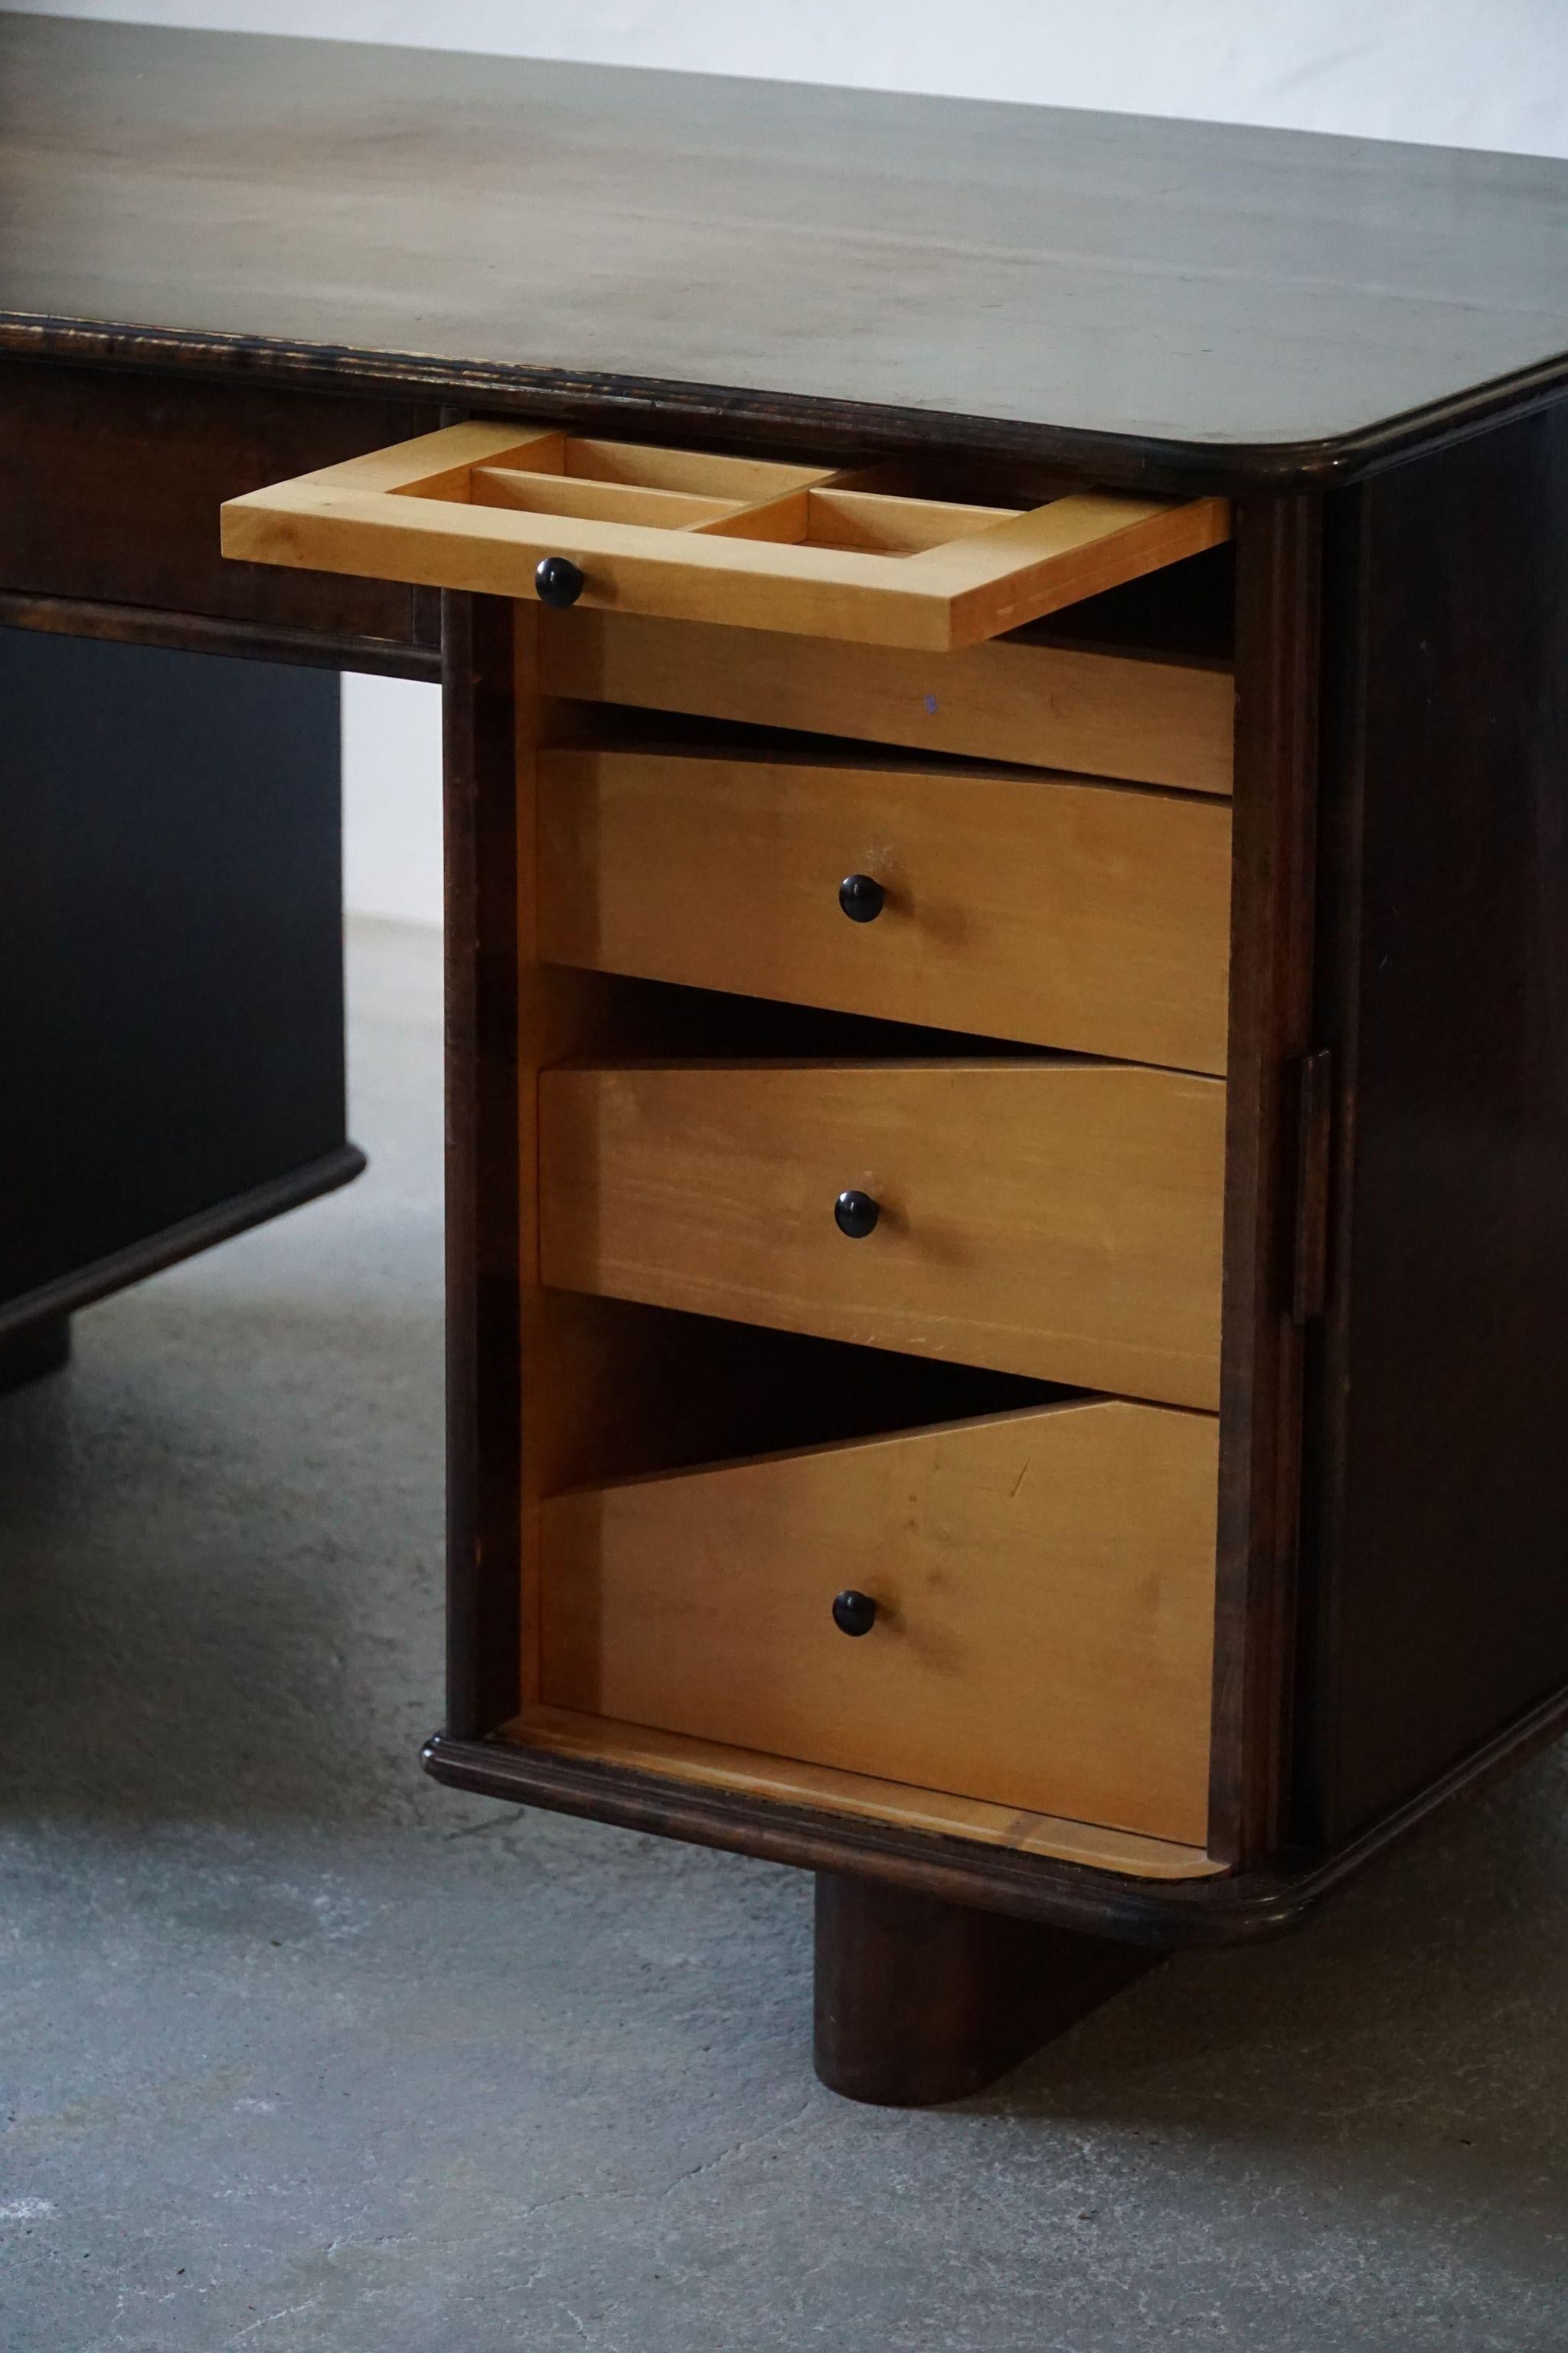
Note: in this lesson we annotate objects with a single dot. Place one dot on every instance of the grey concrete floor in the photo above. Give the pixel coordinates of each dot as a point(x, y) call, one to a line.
point(302, 2052)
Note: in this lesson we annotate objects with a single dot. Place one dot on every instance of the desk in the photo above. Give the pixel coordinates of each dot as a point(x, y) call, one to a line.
point(230, 264)
point(171, 966)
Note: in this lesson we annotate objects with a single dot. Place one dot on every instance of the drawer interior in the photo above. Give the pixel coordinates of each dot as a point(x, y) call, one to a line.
point(682, 490)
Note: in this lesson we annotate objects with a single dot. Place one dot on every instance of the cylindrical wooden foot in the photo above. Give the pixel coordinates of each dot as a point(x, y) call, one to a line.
point(40, 1348)
point(919, 2001)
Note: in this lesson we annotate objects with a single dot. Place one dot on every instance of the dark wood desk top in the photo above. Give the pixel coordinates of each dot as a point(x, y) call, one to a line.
point(1194, 302)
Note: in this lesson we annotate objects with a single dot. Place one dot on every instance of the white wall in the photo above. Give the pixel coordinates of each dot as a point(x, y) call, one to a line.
point(392, 798)
point(1476, 73)
point(1473, 73)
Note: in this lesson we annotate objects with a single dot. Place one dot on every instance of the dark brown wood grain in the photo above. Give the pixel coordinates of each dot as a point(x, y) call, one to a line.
point(1439, 1600)
point(110, 491)
point(918, 2002)
point(1204, 305)
point(1273, 849)
point(199, 633)
point(483, 1397)
point(1314, 1149)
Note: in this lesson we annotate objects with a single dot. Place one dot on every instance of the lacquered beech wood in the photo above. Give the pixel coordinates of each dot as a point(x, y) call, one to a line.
point(1096, 712)
point(492, 508)
point(1059, 1219)
point(1042, 1587)
point(1084, 917)
point(700, 1779)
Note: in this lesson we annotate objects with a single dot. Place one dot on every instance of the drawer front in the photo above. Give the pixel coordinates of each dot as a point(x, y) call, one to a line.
point(1056, 1220)
point(1043, 1586)
point(1090, 918)
point(691, 535)
point(110, 484)
point(1148, 719)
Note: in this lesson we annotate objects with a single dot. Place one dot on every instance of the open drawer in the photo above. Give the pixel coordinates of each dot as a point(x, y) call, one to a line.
point(1041, 1627)
point(509, 511)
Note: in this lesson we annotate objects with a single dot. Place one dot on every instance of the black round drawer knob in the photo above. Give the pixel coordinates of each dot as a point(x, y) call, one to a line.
point(856, 1214)
point(862, 898)
point(558, 580)
point(854, 1613)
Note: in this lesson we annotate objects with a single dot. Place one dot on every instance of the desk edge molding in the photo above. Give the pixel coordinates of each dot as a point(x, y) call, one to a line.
point(678, 409)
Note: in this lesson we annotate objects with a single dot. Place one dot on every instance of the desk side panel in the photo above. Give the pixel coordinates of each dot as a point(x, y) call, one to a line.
point(1440, 1609)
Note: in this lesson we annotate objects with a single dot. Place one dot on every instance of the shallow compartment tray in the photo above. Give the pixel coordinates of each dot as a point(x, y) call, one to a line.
point(746, 542)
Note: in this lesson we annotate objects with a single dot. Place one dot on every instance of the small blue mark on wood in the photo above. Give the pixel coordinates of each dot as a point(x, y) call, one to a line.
point(930, 705)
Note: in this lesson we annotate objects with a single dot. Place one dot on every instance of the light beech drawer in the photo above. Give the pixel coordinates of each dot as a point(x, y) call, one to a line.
point(1092, 918)
point(1059, 1219)
point(1041, 1587)
point(694, 536)
point(1150, 719)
